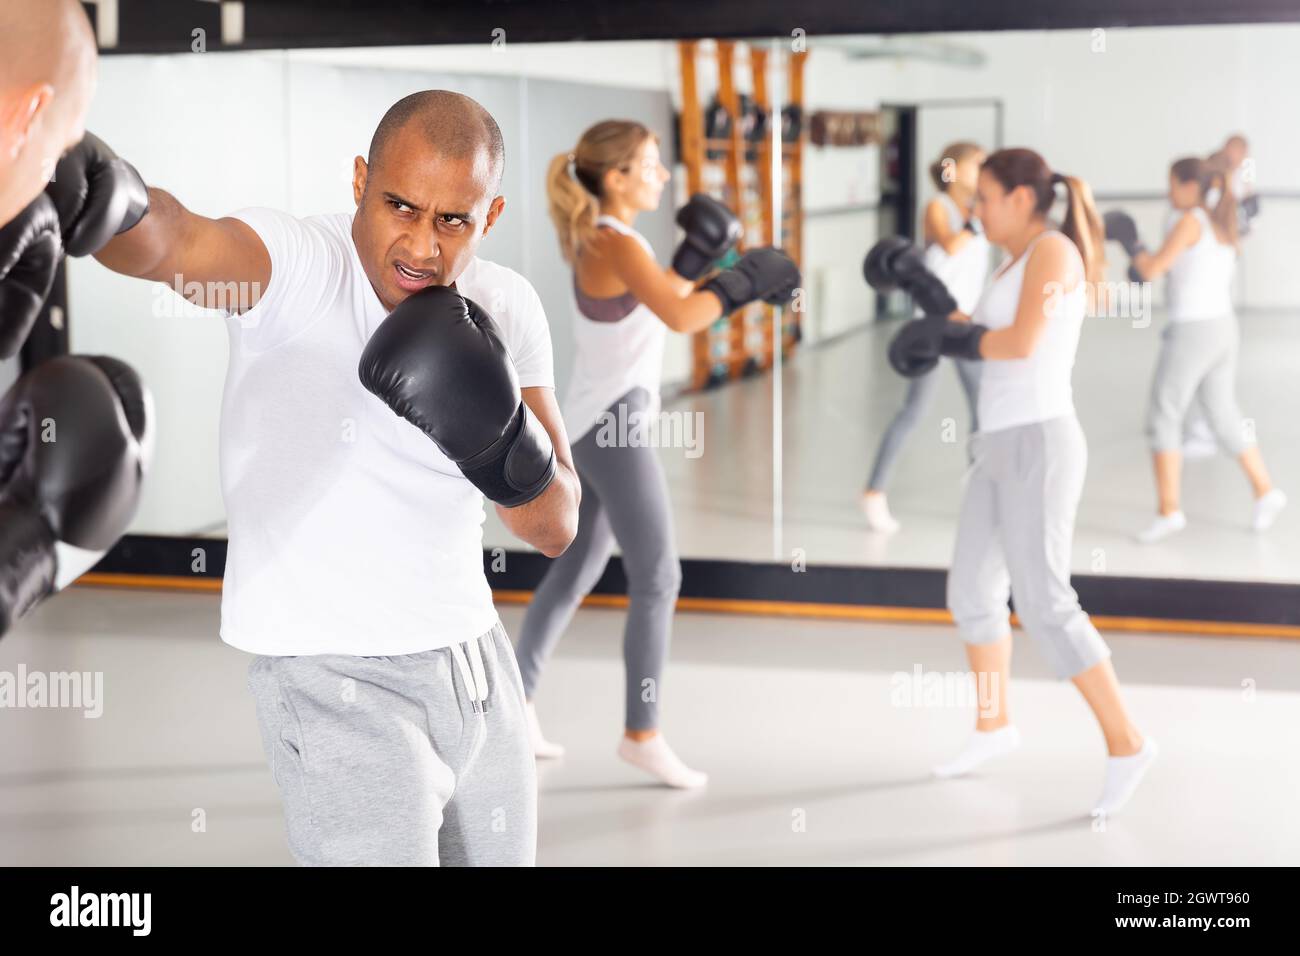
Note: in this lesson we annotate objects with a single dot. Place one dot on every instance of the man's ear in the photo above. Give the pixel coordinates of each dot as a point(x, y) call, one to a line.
point(360, 171)
point(494, 211)
point(18, 112)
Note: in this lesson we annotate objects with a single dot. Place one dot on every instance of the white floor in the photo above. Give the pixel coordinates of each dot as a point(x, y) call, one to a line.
point(811, 760)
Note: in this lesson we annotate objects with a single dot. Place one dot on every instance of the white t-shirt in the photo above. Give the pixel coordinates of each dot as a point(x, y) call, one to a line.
point(349, 531)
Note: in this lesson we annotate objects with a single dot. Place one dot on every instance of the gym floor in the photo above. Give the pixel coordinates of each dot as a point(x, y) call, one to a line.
point(812, 759)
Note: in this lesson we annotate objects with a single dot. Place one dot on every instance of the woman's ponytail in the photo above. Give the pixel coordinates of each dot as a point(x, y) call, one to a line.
point(572, 208)
point(574, 181)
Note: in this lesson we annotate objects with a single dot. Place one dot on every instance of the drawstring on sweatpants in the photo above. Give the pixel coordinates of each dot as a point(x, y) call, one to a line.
point(471, 671)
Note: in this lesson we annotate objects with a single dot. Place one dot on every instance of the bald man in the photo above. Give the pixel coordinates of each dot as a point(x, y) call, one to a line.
point(62, 503)
point(47, 79)
point(387, 692)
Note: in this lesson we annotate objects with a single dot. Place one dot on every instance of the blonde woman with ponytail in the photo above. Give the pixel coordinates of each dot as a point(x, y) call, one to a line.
point(1199, 345)
point(1029, 456)
point(626, 303)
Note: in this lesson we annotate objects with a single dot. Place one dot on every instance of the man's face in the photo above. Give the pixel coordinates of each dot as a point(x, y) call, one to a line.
point(420, 215)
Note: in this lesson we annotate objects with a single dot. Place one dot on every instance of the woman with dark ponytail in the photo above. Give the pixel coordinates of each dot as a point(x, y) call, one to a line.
point(626, 304)
point(958, 253)
point(1028, 462)
point(1198, 352)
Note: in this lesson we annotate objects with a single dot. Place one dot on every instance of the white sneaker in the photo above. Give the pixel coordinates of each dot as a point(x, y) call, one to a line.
point(543, 749)
point(876, 510)
point(1163, 527)
point(656, 758)
point(1267, 508)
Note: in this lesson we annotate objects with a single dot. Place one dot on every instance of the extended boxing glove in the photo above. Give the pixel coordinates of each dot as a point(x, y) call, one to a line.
point(438, 362)
point(75, 442)
point(711, 231)
point(765, 273)
point(98, 196)
point(30, 251)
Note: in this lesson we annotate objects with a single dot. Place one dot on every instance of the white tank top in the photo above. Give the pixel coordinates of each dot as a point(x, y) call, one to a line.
point(614, 357)
point(1200, 282)
point(965, 271)
point(1034, 389)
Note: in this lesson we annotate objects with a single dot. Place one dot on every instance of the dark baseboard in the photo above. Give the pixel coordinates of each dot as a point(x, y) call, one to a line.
point(1250, 603)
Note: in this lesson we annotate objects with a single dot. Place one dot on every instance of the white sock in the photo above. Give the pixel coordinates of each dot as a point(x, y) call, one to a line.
point(1123, 774)
point(543, 749)
point(1266, 509)
point(983, 745)
point(656, 758)
point(876, 510)
point(1163, 527)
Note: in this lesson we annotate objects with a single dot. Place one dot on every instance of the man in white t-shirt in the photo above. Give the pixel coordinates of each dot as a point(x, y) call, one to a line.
point(389, 700)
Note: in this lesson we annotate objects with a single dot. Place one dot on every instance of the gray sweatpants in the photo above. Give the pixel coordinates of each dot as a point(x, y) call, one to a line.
point(1013, 539)
point(624, 500)
point(416, 760)
point(1198, 362)
point(920, 392)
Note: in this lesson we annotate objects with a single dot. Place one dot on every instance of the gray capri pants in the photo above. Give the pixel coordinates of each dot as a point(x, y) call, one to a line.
point(1014, 537)
point(920, 392)
point(1198, 362)
point(413, 760)
point(624, 500)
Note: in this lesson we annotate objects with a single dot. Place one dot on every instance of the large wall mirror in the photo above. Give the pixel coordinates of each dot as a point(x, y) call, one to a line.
point(781, 461)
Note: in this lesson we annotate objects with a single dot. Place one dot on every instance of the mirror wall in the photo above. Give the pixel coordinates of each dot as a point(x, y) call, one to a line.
point(1113, 107)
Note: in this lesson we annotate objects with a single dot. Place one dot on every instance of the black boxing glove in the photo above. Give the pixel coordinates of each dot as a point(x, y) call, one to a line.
point(1121, 228)
point(30, 251)
point(98, 196)
point(75, 442)
point(438, 362)
point(895, 263)
point(765, 273)
point(917, 346)
point(711, 231)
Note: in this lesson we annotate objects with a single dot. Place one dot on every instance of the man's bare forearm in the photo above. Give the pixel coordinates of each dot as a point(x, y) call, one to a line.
point(550, 521)
point(151, 250)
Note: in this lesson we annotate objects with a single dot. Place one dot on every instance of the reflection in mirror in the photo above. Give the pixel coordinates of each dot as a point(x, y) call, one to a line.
point(1187, 348)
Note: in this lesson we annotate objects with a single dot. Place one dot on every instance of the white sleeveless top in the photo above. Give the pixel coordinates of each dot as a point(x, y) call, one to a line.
point(613, 357)
point(1200, 282)
point(965, 271)
point(1034, 389)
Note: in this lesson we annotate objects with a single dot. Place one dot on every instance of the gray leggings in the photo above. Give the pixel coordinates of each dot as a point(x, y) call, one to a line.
point(1198, 362)
point(920, 392)
point(624, 500)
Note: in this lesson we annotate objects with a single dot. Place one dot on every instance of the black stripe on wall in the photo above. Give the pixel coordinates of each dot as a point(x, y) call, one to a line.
point(1173, 599)
point(157, 26)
